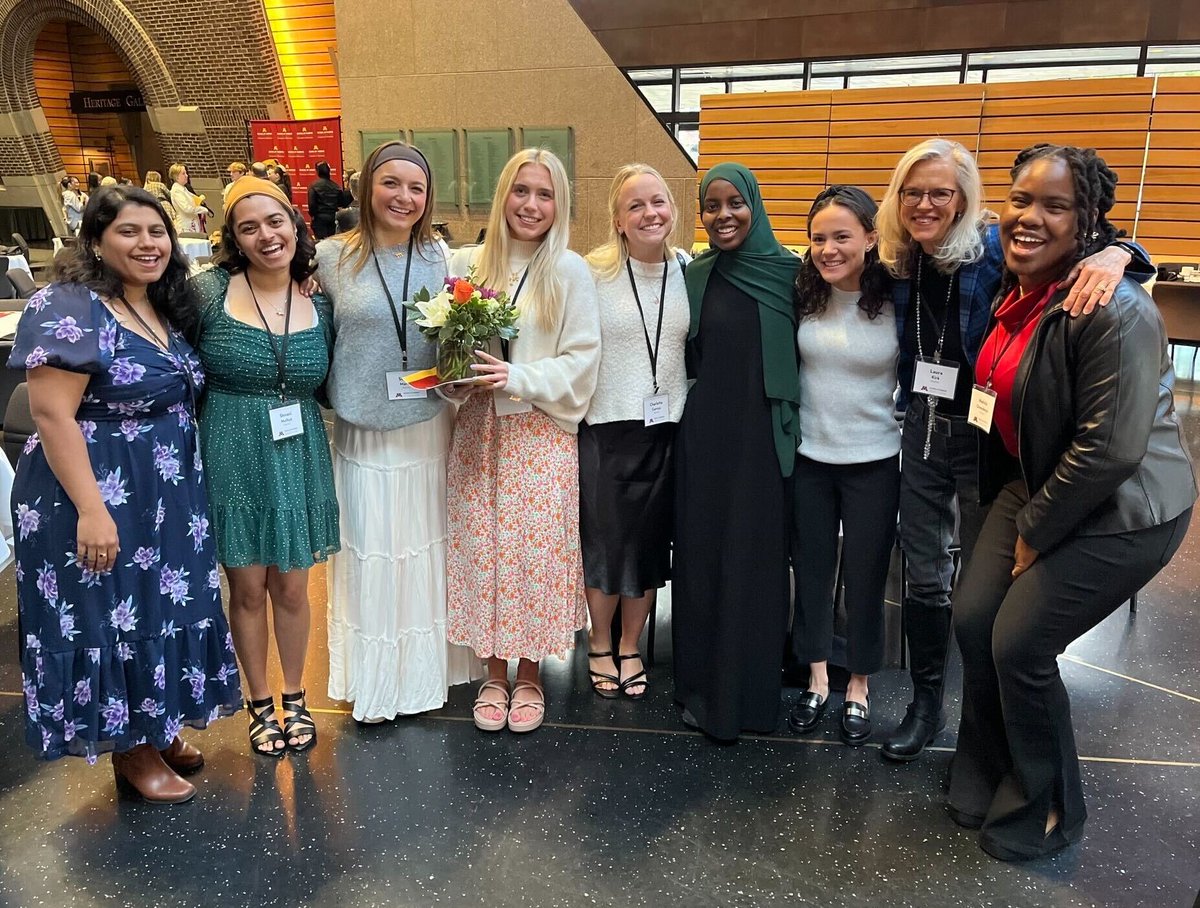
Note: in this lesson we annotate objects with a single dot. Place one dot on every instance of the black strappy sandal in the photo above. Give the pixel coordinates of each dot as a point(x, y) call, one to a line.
point(598, 678)
point(299, 723)
point(634, 680)
point(264, 727)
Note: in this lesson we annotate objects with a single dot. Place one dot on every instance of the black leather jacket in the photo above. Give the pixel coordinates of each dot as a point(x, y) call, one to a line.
point(1101, 447)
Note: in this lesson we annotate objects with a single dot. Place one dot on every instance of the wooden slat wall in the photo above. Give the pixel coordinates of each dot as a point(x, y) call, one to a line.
point(69, 57)
point(305, 40)
point(1169, 221)
point(780, 137)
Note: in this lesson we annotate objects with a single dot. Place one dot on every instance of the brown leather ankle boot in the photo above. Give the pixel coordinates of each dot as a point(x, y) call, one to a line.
point(141, 771)
point(182, 757)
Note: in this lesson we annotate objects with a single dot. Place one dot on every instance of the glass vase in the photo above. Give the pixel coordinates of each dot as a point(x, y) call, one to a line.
point(454, 360)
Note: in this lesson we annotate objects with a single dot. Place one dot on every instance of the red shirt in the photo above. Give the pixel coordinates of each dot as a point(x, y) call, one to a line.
point(1016, 320)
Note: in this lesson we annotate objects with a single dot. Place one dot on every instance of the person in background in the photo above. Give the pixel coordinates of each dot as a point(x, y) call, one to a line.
point(388, 653)
point(1093, 490)
point(236, 171)
point(278, 175)
point(735, 451)
point(155, 186)
point(266, 347)
point(515, 574)
point(258, 169)
point(324, 199)
point(93, 182)
point(625, 467)
point(946, 264)
point(188, 207)
point(114, 544)
point(73, 203)
point(347, 218)
point(108, 181)
point(847, 478)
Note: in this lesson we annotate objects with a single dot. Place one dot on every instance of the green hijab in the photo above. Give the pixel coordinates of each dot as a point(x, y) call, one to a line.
point(765, 271)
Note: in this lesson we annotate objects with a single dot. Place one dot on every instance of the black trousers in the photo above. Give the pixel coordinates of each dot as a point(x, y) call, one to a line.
point(1016, 757)
point(862, 498)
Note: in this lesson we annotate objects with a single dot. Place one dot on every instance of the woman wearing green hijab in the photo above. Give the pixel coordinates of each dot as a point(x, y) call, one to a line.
point(736, 449)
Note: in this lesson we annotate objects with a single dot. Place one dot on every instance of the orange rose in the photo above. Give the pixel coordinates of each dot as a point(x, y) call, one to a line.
point(463, 291)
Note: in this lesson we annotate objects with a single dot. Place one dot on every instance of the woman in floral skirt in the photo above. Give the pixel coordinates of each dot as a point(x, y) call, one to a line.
point(123, 641)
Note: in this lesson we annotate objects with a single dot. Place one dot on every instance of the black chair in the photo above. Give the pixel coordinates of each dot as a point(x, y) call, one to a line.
point(22, 282)
point(23, 245)
point(18, 422)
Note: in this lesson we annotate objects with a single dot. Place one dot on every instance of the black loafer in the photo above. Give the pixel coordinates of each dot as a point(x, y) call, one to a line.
point(856, 722)
point(807, 712)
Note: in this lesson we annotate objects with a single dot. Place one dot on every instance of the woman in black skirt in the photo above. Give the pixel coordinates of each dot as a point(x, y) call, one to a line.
point(734, 457)
point(625, 442)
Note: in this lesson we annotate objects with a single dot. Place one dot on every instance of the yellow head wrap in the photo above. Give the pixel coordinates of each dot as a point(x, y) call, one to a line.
point(251, 185)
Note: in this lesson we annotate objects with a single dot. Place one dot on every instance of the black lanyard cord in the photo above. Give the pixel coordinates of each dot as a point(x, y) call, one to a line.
point(662, 305)
point(399, 319)
point(516, 296)
point(280, 350)
point(169, 347)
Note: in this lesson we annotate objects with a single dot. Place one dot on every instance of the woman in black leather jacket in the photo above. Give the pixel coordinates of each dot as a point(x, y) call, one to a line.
point(1093, 492)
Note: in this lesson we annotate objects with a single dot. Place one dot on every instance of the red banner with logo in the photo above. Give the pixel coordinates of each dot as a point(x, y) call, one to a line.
point(299, 145)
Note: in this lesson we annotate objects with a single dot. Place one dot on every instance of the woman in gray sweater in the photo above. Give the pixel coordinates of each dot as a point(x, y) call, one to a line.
point(848, 465)
point(388, 653)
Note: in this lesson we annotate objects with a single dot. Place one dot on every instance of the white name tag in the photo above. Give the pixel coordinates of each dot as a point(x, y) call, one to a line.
point(656, 408)
point(286, 421)
point(938, 379)
point(507, 405)
point(983, 406)
point(399, 389)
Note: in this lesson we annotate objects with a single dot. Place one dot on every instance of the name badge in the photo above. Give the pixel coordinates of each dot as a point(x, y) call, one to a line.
point(932, 377)
point(656, 408)
point(286, 421)
point(399, 389)
point(983, 406)
point(507, 405)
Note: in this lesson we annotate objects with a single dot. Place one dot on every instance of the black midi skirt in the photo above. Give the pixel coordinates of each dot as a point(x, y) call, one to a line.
point(626, 489)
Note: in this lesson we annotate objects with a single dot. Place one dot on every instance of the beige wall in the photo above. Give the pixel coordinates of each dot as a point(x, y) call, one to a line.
point(491, 64)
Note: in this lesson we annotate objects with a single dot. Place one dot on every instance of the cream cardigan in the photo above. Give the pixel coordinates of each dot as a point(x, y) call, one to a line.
point(554, 370)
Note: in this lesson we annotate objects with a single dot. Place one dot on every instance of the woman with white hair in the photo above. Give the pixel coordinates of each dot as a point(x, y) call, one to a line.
point(947, 265)
point(189, 208)
point(515, 584)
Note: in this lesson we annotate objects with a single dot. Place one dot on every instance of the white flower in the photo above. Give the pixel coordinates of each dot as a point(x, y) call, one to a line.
point(435, 311)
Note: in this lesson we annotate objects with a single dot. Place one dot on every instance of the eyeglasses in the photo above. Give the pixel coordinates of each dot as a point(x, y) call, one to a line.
point(939, 198)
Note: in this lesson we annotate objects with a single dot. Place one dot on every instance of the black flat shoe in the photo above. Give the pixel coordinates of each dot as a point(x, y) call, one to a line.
point(855, 727)
point(964, 819)
point(806, 712)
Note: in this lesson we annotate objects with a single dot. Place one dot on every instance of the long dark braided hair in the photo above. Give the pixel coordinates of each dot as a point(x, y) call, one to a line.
point(1095, 194)
point(811, 291)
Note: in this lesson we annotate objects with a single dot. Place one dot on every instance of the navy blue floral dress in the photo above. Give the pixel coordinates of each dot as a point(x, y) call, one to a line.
point(120, 658)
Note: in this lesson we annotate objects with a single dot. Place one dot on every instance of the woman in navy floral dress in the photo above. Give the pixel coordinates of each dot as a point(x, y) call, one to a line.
point(123, 641)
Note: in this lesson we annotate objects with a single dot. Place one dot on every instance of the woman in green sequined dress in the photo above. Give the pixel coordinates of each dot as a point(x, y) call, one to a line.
point(266, 349)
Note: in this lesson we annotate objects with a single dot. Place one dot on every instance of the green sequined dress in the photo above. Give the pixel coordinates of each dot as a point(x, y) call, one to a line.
point(271, 502)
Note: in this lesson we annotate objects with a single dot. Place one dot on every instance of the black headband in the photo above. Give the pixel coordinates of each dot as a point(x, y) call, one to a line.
point(398, 151)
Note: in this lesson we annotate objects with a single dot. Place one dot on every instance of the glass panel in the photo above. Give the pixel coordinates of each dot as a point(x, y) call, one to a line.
point(644, 75)
point(769, 85)
point(658, 96)
point(1173, 69)
point(827, 82)
point(1040, 73)
point(741, 72)
point(887, 64)
point(1174, 52)
point(1054, 55)
point(689, 95)
point(895, 80)
point(690, 140)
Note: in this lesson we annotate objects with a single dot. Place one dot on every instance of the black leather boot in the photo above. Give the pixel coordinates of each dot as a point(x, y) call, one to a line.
point(927, 629)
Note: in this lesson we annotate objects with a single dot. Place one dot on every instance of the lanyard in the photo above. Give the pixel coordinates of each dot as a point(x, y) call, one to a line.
point(166, 345)
point(937, 354)
point(279, 351)
point(662, 304)
point(1008, 343)
point(516, 296)
point(169, 347)
point(400, 319)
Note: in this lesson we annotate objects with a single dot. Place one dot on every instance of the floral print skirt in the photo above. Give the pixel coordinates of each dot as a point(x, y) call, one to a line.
point(514, 565)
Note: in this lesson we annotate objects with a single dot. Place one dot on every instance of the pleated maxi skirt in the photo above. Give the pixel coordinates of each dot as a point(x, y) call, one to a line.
point(388, 653)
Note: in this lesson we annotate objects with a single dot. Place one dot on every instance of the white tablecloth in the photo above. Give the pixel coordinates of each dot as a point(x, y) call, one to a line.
point(194, 249)
point(6, 526)
point(18, 261)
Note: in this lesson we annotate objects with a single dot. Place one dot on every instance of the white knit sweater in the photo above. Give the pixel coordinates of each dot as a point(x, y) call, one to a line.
point(554, 370)
point(625, 377)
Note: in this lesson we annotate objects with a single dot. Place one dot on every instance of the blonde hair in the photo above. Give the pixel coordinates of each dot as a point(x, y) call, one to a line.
point(964, 242)
point(607, 260)
point(543, 295)
point(359, 242)
point(175, 170)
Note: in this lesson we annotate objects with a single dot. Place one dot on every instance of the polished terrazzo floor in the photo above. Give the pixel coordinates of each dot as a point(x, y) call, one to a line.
point(617, 803)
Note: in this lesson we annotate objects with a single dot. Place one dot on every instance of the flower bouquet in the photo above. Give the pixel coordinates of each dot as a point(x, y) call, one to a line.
point(462, 317)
